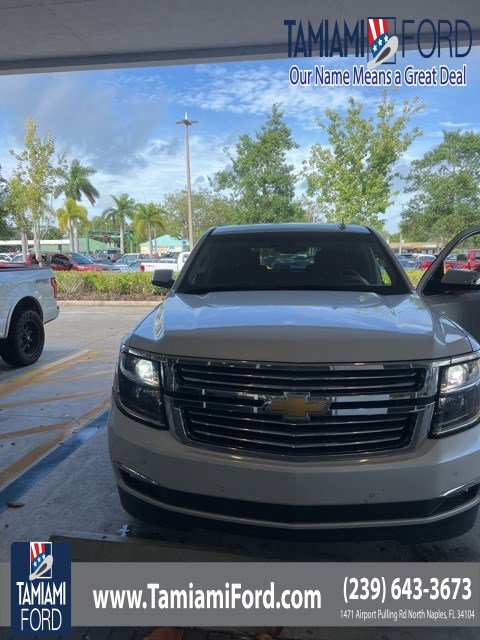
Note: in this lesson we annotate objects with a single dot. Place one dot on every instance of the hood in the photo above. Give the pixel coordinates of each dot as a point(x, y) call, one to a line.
point(299, 326)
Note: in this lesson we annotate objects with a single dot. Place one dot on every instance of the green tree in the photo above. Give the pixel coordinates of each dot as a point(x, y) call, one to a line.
point(209, 210)
point(149, 216)
point(351, 177)
point(74, 183)
point(7, 232)
point(17, 204)
point(260, 181)
point(51, 232)
point(35, 174)
point(119, 214)
point(445, 188)
point(100, 222)
point(69, 217)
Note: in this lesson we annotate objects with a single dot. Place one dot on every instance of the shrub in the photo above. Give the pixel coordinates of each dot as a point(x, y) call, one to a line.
point(415, 275)
point(106, 284)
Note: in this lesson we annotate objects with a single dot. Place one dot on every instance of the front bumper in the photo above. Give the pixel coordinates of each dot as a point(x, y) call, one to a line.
point(434, 483)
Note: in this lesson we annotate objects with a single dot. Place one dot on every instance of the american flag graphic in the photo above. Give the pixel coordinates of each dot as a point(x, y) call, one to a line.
point(39, 551)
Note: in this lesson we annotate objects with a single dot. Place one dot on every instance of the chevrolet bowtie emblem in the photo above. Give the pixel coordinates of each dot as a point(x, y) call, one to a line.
point(297, 406)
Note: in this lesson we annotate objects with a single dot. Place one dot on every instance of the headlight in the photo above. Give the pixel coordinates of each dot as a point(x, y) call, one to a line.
point(139, 388)
point(458, 406)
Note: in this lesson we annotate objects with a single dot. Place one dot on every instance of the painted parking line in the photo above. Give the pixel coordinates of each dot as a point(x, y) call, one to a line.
point(17, 487)
point(57, 398)
point(34, 375)
point(38, 452)
point(83, 374)
point(43, 428)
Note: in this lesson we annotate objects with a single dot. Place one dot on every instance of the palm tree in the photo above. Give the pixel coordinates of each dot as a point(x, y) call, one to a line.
point(151, 215)
point(69, 217)
point(75, 183)
point(123, 209)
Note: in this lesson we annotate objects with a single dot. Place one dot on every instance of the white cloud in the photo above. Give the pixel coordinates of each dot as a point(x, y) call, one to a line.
point(241, 90)
point(161, 169)
point(460, 125)
point(92, 114)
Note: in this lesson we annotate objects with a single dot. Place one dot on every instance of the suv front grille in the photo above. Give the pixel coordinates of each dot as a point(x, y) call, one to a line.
point(273, 378)
point(333, 435)
point(370, 408)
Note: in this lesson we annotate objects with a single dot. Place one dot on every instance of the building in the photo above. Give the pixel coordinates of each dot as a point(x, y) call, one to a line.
point(417, 247)
point(62, 244)
point(164, 244)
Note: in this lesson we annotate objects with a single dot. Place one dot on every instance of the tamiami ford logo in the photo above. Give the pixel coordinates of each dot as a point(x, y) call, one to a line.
point(40, 588)
point(377, 42)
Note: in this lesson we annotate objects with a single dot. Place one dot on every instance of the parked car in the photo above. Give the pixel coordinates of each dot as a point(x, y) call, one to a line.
point(109, 254)
point(61, 261)
point(468, 259)
point(408, 264)
point(175, 262)
point(110, 266)
point(156, 263)
point(18, 257)
point(137, 265)
point(6, 257)
point(127, 259)
point(28, 300)
point(424, 260)
point(331, 397)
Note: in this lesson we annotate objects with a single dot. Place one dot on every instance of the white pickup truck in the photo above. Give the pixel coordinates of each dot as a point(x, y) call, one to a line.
point(28, 300)
point(175, 262)
point(294, 378)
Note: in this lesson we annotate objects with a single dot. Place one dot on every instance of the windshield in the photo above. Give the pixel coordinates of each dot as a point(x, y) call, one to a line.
point(289, 261)
point(79, 258)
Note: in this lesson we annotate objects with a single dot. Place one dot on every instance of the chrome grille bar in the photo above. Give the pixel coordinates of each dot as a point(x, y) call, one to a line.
point(273, 379)
point(374, 408)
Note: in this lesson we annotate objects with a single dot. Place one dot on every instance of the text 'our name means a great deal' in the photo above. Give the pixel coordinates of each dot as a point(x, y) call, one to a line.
point(322, 76)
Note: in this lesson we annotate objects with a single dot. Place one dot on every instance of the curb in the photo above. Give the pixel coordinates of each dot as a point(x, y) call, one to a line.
point(109, 303)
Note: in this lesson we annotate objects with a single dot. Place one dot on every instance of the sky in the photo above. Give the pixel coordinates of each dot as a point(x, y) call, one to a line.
point(122, 121)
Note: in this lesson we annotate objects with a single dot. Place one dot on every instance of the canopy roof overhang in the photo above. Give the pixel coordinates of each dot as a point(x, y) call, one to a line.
point(46, 35)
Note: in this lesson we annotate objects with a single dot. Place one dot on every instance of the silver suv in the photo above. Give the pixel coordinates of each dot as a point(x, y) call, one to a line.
point(294, 378)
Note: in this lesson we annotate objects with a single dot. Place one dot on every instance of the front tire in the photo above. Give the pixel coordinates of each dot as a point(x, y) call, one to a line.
point(24, 344)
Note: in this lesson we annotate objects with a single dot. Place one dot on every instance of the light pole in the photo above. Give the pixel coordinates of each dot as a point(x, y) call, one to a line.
point(187, 124)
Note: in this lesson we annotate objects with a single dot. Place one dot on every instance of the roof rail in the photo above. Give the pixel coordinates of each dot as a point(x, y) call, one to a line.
point(342, 224)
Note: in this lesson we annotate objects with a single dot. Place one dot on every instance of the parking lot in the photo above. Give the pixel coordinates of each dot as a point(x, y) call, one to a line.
point(55, 472)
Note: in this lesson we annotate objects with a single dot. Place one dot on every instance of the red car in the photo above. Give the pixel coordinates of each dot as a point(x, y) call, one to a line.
point(424, 260)
point(61, 261)
point(468, 259)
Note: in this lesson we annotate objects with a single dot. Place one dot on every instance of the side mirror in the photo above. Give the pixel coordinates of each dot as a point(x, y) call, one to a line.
point(461, 278)
point(163, 278)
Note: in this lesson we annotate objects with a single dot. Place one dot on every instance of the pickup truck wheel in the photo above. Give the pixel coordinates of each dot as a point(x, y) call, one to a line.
point(24, 344)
